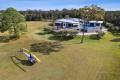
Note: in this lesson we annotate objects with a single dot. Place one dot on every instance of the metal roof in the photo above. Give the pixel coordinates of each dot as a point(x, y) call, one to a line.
point(95, 21)
point(75, 20)
point(69, 20)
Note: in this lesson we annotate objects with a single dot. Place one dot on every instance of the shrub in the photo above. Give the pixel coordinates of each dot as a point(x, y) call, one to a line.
point(48, 29)
point(97, 36)
point(66, 34)
point(4, 38)
point(110, 26)
point(100, 34)
point(51, 24)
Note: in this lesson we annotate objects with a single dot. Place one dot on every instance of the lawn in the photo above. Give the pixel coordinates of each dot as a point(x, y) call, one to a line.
point(92, 60)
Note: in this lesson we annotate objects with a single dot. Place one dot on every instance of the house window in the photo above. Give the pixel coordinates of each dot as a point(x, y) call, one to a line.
point(91, 25)
point(69, 25)
point(75, 26)
point(58, 24)
point(97, 24)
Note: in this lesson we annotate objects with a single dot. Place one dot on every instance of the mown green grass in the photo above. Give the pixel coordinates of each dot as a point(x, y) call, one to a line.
point(92, 60)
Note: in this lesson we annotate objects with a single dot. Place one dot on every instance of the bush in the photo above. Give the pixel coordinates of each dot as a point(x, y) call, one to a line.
point(111, 27)
point(14, 37)
point(51, 24)
point(97, 36)
point(48, 30)
point(4, 38)
point(66, 34)
point(100, 34)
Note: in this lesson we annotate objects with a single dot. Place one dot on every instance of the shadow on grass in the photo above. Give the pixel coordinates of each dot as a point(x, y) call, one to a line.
point(59, 38)
point(46, 47)
point(16, 61)
point(4, 39)
point(116, 33)
point(115, 40)
point(42, 33)
point(94, 37)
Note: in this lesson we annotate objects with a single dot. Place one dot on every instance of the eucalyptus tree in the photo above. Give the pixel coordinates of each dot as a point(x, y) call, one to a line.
point(13, 21)
point(92, 12)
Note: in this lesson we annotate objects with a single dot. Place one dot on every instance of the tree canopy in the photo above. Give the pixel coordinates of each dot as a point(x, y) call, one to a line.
point(12, 21)
point(92, 12)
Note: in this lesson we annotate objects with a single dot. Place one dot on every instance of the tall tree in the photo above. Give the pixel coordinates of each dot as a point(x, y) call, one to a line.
point(13, 22)
point(92, 12)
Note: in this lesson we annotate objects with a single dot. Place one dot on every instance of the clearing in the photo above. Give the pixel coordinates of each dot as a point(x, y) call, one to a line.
point(93, 60)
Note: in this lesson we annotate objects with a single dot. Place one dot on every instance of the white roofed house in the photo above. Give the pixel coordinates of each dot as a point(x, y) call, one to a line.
point(69, 23)
point(93, 26)
point(78, 24)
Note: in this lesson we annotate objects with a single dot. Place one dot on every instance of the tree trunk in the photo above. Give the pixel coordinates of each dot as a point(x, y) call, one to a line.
point(82, 37)
point(15, 32)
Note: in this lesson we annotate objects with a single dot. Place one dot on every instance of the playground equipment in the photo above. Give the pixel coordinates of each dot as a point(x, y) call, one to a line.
point(31, 57)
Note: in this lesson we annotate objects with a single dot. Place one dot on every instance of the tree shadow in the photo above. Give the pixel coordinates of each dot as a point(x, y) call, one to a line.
point(46, 47)
point(115, 40)
point(59, 38)
point(42, 33)
point(116, 33)
point(16, 61)
point(5, 39)
point(94, 37)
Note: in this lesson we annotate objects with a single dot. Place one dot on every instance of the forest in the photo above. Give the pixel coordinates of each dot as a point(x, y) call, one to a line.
point(38, 15)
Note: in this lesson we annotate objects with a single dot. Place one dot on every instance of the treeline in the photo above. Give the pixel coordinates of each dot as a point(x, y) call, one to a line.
point(36, 15)
point(92, 12)
point(113, 17)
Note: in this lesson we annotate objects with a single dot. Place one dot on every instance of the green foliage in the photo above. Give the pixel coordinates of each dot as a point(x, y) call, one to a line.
point(66, 34)
point(100, 34)
point(13, 22)
point(92, 12)
point(97, 36)
point(4, 38)
point(48, 30)
point(109, 26)
point(46, 47)
point(114, 18)
point(51, 24)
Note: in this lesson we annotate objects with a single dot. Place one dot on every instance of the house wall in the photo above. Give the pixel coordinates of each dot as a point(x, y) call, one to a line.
point(92, 27)
point(67, 25)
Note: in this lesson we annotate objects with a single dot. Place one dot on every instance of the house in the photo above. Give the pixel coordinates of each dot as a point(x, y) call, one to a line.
point(79, 24)
point(92, 26)
point(69, 23)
